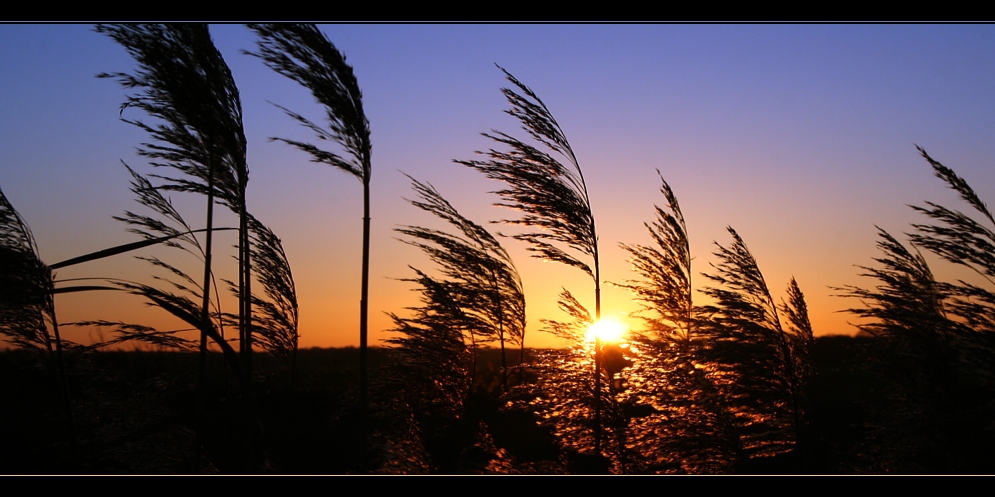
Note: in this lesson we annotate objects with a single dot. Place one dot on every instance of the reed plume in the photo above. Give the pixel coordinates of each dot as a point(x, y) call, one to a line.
point(26, 286)
point(183, 82)
point(476, 299)
point(27, 302)
point(938, 336)
point(664, 292)
point(276, 315)
point(755, 356)
point(304, 54)
point(478, 270)
point(946, 327)
point(552, 197)
point(684, 426)
point(961, 240)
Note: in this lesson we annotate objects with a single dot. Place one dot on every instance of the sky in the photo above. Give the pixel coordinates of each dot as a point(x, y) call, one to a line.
point(801, 137)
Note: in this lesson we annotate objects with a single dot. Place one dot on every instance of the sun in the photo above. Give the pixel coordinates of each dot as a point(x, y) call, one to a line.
point(607, 330)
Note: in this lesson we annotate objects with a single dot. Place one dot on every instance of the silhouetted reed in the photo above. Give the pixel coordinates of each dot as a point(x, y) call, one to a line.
point(562, 397)
point(961, 240)
point(551, 196)
point(476, 300)
point(183, 82)
point(664, 292)
point(950, 326)
point(304, 54)
point(27, 302)
point(758, 363)
point(483, 279)
point(679, 422)
point(26, 286)
point(275, 317)
point(181, 292)
point(938, 338)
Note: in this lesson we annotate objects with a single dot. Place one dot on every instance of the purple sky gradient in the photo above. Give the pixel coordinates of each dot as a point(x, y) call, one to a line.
point(799, 136)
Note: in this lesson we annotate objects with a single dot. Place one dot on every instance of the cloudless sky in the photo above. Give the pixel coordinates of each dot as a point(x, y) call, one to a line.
point(801, 137)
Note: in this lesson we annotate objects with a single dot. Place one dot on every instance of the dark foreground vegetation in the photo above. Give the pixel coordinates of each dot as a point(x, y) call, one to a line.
point(735, 385)
point(136, 413)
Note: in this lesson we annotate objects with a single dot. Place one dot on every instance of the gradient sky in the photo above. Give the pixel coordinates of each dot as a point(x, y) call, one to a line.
point(801, 137)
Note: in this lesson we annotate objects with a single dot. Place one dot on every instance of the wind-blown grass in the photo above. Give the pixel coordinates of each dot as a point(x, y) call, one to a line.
point(683, 424)
point(304, 54)
point(275, 319)
point(479, 273)
point(939, 336)
point(946, 329)
point(476, 299)
point(664, 292)
point(959, 239)
point(183, 82)
point(27, 301)
point(550, 195)
point(547, 186)
point(563, 396)
point(184, 291)
point(26, 285)
point(907, 306)
point(755, 357)
point(168, 228)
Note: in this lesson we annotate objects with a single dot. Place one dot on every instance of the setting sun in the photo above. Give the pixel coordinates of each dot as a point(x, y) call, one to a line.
point(608, 330)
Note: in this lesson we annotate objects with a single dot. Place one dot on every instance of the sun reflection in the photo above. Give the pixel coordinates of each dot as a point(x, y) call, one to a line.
point(607, 330)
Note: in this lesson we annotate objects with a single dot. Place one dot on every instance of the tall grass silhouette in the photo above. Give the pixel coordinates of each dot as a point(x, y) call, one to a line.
point(181, 291)
point(552, 197)
point(563, 395)
point(480, 275)
point(948, 326)
point(959, 239)
point(664, 292)
point(27, 303)
point(477, 299)
point(681, 423)
point(760, 363)
point(938, 336)
point(276, 314)
point(27, 283)
point(27, 297)
point(184, 84)
point(304, 54)
point(907, 307)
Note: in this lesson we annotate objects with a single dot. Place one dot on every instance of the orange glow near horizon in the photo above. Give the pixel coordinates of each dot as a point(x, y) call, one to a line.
point(756, 147)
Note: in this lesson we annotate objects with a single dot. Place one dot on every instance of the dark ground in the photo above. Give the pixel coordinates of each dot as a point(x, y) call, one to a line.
point(136, 413)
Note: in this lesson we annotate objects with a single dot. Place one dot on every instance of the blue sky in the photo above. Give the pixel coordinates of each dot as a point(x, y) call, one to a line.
point(799, 136)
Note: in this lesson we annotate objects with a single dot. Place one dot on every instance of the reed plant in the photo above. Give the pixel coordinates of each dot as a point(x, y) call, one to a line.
point(27, 297)
point(961, 240)
point(680, 423)
point(304, 54)
point(27, 301)
point(937, 337)
point(276, 315)
point(760, 364)
point(184, 84)
point(947, 328)
point(476, 299)
point(179, 292)
point(482, 276)
point(545, 183)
